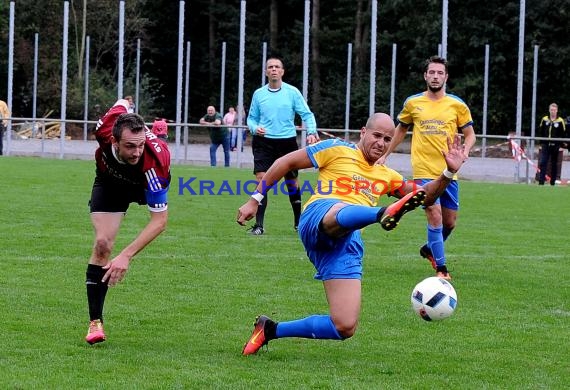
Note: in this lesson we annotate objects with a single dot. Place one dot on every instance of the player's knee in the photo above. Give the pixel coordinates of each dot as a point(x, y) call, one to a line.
point(102, 248)
point(346, 329)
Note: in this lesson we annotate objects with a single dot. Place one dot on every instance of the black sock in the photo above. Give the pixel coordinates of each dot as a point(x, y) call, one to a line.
point(441, 268)
point(446, 232)
point(260, 216)
point(96, 291)
point(295, 199)
point(270, 330)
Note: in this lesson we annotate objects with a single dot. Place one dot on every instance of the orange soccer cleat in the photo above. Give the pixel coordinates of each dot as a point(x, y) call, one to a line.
point(396, 210)
point(441, 272)
point(258, 338)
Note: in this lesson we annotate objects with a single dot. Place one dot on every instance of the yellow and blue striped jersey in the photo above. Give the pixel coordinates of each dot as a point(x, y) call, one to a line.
point(433, 122)
point(344, 174)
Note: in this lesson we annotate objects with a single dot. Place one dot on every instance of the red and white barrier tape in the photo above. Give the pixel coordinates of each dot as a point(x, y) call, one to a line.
point(519, 154)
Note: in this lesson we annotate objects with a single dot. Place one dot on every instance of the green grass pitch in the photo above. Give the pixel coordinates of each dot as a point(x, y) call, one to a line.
point(182, 314)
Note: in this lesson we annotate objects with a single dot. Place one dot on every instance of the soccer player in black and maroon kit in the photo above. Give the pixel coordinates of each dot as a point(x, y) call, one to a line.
point(133, 165)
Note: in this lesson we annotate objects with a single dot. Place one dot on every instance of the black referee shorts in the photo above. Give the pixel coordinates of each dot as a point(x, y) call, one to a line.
point(267, 150)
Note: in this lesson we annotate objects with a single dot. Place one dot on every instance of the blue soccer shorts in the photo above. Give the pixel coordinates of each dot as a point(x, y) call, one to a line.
point(449, 198)
point(333, 258)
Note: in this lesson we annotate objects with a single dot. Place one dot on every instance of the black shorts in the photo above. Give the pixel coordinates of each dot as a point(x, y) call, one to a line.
point(108, 196)
point(267, 150)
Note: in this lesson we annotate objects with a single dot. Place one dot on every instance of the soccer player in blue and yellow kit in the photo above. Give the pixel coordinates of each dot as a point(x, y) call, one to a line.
point(343, 202)
point(271, 122)
point(435, 116)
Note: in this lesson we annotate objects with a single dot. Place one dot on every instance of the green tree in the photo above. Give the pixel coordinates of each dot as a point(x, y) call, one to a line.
point(414, 26)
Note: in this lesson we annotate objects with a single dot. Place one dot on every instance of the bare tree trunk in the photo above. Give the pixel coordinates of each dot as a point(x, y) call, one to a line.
point(359, 55)
point(212, 64)
point(273, 24)
point(316, 53)
point(365, 45)
point(80, 43)
point(83, 35)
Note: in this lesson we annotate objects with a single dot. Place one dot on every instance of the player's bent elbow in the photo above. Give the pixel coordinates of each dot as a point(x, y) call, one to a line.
point(159, 221)
point(161, 226)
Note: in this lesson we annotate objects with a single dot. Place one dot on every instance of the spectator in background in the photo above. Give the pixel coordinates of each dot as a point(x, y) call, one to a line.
point(4, 113)
point(551, 126)
point(218, 135)
point(132, 106)
point(160, 129)
point(244, 131)
point(231, 119)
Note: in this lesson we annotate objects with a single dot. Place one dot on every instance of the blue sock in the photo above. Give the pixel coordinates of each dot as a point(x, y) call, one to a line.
point(313, 327)
point(445, 233)
point(435, 243)
point(356, 217)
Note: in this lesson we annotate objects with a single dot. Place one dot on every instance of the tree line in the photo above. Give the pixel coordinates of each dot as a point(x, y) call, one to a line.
point(414, 26)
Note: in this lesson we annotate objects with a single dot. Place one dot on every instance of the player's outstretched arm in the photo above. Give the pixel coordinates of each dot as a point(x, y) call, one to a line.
point(296, 160)
point(117, 268)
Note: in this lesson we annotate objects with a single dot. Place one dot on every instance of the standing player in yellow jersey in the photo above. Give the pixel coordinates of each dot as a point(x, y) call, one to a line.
point(343, 202)
point(435, 116)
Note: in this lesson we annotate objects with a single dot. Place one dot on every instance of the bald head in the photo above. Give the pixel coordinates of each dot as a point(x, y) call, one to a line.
point(380, 120)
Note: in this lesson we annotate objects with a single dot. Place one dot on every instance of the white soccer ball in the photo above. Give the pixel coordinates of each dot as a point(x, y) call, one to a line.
point(434, 299)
